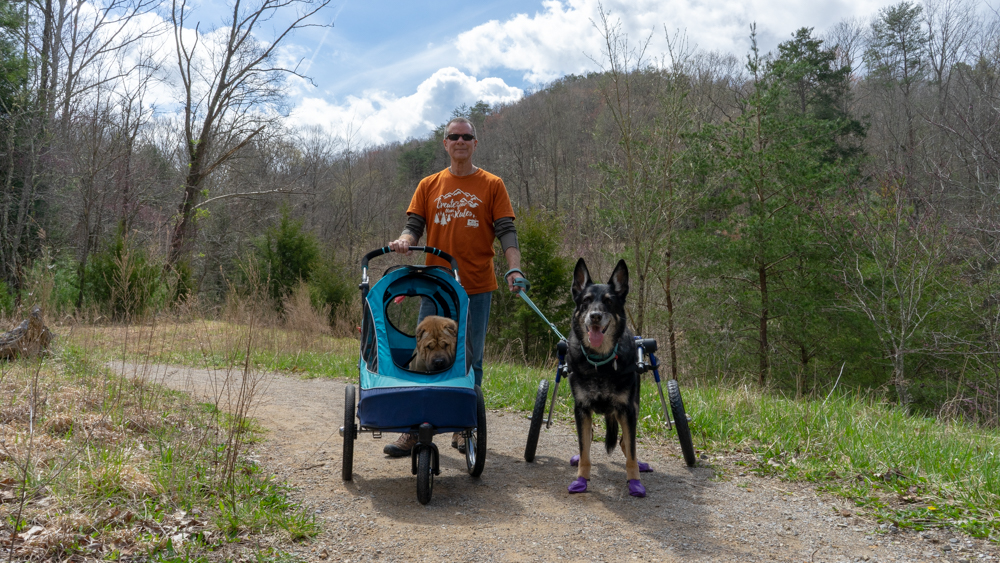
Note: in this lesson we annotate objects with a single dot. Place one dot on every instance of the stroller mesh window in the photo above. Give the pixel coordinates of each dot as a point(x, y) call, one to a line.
point(400, 308)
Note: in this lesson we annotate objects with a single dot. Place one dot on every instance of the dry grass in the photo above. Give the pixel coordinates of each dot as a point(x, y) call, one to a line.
point(96, 465)
point(182, 340)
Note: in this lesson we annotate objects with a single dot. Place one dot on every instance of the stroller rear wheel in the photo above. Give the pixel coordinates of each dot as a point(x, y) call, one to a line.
point(475, 440)
point(347, 472)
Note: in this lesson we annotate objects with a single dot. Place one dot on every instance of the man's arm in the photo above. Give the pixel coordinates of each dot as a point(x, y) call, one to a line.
point(507, 233)
point(513, 256)
point(411, 234)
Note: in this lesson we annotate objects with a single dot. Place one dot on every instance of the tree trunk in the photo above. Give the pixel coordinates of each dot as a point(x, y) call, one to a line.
point(765, 360)
point(184, 231)
point(672, 337)
point(899, 380)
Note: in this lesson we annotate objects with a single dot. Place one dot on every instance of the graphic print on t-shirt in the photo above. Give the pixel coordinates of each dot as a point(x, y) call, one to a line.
point(456, 205)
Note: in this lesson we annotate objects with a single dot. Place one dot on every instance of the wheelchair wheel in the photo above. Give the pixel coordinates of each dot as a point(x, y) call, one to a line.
point(425, 476)
point(347, 472)
point(537, 414)
point(475, 441)
point(681, 422)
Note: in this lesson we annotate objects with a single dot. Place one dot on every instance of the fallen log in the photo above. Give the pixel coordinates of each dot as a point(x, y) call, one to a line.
point(28, 339)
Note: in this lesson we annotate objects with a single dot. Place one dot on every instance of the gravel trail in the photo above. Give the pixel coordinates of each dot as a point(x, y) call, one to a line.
point(520, 511)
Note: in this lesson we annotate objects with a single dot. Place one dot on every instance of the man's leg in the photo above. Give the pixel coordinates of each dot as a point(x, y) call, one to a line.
point(475, 333)
point(479, 318)
point(427, 308)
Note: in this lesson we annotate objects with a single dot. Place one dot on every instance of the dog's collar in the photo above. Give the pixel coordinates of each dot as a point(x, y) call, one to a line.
point(598, 361)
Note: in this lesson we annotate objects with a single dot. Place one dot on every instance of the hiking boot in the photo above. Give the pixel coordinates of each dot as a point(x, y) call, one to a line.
point(458, 441)
point(402, 446)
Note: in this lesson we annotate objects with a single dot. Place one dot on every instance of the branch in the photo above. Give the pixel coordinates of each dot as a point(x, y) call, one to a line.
point(232, 151)
point(251, 194)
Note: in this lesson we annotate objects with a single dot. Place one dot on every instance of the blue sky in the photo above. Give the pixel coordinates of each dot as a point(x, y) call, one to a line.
point(389, 71)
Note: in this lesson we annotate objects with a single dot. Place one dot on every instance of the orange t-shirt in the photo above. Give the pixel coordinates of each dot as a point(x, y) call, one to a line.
point(460, 211)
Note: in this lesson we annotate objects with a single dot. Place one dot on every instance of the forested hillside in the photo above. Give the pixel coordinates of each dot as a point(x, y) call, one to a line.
point(823, 214)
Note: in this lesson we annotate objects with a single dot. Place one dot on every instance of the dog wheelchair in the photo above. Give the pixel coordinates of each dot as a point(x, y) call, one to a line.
point(394, 399)
point(645, 346)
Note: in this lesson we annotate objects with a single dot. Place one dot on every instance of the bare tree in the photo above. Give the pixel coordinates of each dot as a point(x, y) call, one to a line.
point(894, 266)
point(93, 44)
point(951, 25)
point(230, 92)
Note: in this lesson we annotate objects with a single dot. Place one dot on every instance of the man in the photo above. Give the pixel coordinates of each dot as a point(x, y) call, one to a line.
point(463, 208)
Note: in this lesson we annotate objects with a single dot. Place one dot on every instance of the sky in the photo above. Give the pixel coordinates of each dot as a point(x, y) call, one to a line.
point(392, 70)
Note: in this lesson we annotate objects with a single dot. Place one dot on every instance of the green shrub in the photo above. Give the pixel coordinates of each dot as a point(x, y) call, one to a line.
point(6, 299)
point(285, 254)
point(183, 281)
point(540, 238)
point(123, 281)
point(330, 285)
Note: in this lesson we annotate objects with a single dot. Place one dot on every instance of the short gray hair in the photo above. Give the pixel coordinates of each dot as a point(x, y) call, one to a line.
point(460, 120)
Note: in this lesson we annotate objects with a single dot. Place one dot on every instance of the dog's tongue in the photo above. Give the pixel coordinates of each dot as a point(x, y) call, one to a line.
point(596, 337)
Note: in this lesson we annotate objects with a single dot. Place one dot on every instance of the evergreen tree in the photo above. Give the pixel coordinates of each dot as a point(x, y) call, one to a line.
point(13, 65)
point(772, 167)
point(286, 254)
point(540, 238)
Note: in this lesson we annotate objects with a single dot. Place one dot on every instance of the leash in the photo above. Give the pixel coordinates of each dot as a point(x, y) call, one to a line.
point(524, 295)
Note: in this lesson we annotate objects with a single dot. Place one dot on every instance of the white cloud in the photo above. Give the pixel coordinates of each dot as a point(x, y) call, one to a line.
point(562, 38)
point(379, 117)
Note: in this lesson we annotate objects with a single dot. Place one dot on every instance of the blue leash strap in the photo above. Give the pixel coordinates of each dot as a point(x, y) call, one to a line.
point(524, 295)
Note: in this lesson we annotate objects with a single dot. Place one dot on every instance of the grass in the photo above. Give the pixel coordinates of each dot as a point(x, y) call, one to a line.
point(95, 465)
point(913, 471)
point(211, 344)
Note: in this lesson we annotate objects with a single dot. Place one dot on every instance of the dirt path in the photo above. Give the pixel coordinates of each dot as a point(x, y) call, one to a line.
point(521, 511)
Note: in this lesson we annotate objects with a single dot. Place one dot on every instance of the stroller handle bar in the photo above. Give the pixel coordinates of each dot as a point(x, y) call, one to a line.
point(428, 249)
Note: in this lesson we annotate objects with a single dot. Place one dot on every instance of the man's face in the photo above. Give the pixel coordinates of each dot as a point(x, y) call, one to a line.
point(461, 149)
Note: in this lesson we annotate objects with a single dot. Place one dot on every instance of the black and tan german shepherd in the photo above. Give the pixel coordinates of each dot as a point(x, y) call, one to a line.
point(603, 377)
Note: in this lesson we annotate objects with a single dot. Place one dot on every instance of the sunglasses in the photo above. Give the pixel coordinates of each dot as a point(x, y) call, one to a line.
point(456, 136)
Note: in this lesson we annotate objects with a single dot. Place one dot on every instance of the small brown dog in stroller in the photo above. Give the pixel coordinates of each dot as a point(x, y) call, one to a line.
point(436, 341)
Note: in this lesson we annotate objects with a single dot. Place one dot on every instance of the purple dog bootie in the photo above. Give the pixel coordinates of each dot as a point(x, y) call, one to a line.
point(635, 488)
point(580, 486)
point(574, 461)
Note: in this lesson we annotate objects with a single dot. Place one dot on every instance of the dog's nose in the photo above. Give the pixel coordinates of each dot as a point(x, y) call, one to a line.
point(595, 317)
point(439, 363)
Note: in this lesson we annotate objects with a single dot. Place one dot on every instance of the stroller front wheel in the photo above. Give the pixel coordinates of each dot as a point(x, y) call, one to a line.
point(425, 476)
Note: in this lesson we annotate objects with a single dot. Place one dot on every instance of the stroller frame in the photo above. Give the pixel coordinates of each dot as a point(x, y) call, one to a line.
point(390, 397)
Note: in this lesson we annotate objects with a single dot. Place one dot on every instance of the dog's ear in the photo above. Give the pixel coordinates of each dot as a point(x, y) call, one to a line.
point(581, 279)
point(619, 279)
point(420, 333)
point(451, 327)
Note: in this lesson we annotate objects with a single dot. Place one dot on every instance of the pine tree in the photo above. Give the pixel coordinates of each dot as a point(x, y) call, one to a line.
point(771, 168)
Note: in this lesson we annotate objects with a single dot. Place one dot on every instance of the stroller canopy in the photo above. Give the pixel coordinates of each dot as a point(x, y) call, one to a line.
point(386, 348)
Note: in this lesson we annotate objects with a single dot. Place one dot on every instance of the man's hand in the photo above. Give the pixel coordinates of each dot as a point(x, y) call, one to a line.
point(513, 256)
point(516, 281)
point(402, 245)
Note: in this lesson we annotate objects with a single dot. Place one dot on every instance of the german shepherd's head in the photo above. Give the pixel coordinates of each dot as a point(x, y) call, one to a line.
point(599, 319)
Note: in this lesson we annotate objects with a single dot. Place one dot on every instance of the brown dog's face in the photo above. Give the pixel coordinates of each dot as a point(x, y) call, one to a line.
point(436, 339)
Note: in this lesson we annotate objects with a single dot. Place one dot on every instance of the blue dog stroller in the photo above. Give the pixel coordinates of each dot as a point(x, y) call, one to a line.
point(395, 399)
